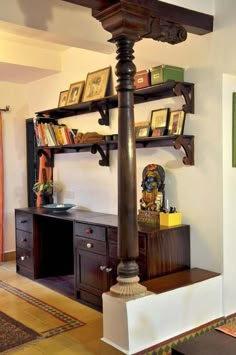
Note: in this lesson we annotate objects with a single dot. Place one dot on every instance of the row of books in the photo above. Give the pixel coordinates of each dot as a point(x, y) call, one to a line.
point(53, 134)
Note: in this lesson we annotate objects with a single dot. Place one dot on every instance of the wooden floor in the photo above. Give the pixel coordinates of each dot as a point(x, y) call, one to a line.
point(84, 340)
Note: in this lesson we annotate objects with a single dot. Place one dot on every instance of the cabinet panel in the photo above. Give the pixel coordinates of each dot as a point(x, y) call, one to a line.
point(90, 245)
point(24, 239)
point(90, 231)
point(90, 275)
point(24, 221)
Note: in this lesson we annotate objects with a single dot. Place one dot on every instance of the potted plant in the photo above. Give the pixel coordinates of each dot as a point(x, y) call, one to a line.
point(44, 189)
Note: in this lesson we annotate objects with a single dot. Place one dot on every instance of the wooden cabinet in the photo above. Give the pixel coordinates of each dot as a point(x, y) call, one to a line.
point(24, 244)
point(84, 243)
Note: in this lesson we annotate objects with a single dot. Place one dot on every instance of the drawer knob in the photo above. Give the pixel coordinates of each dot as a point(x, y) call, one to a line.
point(24, 221)
point(89, 245)
point(88, 231)
point(23, 257)
point(108, 269)
point(23, 240)
point(102, 267)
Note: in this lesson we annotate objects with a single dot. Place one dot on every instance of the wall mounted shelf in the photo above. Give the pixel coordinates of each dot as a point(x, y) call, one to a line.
point(102, 106)
point(186, 142)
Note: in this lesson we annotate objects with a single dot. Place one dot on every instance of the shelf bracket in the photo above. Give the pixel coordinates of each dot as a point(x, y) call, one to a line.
point(105, 156)
point(187, 143)
point(50, 160)
point(103, 109)
point(188, 94)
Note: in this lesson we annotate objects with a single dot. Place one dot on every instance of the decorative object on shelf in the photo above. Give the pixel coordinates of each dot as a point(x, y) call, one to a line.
point(163, 73)
point(142, 131)
point(63, 98)
point(54, 207)
point(75, 93)
point(44, 189)
point(96, 84)
point(176, 122)
point(151, 203)
point(142, 79)
point(89, 137)
point(170, 219)
point(159, 122)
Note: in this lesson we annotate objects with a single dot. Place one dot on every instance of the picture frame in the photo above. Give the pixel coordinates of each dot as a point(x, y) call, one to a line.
point(142, 131)
point(96, 84)
point(62, 98)
point(75, 93)
point(159, 118)
point(176, 122)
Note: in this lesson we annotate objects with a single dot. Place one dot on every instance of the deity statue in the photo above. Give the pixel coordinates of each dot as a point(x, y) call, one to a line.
point(153, 178)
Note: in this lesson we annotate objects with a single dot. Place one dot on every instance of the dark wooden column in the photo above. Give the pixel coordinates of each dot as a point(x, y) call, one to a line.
point(129, 21)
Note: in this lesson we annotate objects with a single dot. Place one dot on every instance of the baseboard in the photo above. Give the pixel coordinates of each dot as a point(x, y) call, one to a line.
point(164, 348)
point(9, 256)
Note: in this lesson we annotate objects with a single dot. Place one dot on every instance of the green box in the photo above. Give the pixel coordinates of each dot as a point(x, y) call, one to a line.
point(163, 73)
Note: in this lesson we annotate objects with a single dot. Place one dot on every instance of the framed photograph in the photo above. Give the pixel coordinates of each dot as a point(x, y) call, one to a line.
point(75, 93)
point(142, 131)
point(63, 98)
point(96, 84)
point(159, 118)
point(176, 122)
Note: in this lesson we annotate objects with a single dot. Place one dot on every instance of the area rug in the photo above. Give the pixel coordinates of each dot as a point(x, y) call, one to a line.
point(13, 333)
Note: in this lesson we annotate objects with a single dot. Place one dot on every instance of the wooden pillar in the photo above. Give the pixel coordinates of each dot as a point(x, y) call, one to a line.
point(128, 269)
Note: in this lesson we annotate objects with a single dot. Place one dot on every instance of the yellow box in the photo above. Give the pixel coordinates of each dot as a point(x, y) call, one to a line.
point(170, 219)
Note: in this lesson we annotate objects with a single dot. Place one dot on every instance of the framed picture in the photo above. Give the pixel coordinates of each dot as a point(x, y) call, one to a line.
point(75, 93)
point(63, 98)
point(96, 84)
point(176, 122)
point(142, 131)
point(159, 118)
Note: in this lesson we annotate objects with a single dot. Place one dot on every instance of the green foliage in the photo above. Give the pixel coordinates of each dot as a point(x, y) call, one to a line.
point(43, 186)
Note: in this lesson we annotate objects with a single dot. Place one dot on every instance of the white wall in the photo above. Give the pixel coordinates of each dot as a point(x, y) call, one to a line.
point(14, 153)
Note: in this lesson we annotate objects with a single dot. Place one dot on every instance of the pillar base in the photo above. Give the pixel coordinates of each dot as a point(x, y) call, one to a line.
point(128, 287)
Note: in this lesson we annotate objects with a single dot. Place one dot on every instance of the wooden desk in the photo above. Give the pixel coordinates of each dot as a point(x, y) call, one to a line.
point(212, 343)
point(84, 243)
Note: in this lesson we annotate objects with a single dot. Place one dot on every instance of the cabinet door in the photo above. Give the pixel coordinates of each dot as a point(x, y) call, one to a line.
point(91, 275)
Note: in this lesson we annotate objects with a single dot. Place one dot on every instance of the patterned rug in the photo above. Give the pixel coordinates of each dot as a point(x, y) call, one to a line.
point(13, 333)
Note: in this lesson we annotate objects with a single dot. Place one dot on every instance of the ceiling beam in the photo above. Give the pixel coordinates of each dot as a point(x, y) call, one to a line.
point(193, 21)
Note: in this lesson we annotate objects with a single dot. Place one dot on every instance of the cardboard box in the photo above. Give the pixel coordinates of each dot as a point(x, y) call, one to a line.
point(142, 79)
point(163, 73)
point(170, 219)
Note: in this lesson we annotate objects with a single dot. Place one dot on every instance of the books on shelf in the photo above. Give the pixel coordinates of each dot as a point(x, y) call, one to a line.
point(53, 134)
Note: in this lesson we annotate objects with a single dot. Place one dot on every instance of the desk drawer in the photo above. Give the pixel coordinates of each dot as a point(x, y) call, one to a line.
point(90, 231)
point(24, 257)
point(24, 221)
point(24, 239)
point(90, 245)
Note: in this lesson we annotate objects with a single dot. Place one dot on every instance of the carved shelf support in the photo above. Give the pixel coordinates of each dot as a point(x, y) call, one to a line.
point(188, 94)
point(103, 109)
point(188, 145)
point(50, 159)
point(96, 148)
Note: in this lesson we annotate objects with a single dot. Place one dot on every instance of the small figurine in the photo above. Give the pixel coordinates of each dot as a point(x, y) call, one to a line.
point(153, 188)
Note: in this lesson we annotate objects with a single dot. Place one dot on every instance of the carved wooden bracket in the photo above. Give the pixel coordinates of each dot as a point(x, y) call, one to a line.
point(50, 159)
point(188, 94)
point(187, 143)
point(105, 156)
point(103, 109)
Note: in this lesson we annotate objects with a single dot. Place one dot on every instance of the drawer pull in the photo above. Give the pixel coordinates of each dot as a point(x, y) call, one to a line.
point(23, 258)
point(24, 221)
point(88, 231)
point(23, 240)
point(89, 245)
point(108, 269)
point(102, 267)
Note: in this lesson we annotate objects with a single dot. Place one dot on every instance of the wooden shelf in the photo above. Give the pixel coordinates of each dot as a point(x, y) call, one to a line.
point(156, 92)
point(186, 142)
